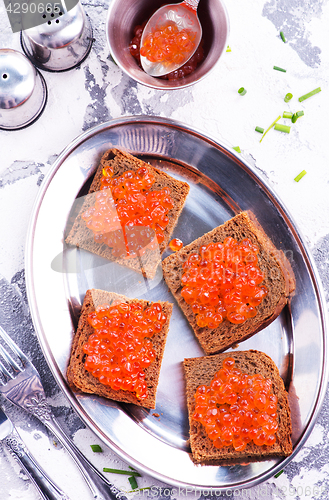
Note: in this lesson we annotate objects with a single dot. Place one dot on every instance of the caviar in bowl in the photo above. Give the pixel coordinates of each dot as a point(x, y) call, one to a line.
point(121, 27)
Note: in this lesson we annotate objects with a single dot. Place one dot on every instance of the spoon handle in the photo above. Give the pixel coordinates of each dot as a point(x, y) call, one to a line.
point(192, 4)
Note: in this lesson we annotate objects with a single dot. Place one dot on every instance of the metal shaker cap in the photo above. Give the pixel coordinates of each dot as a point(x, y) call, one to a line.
point(60, 43)
point(23, 91)
point(17, 79)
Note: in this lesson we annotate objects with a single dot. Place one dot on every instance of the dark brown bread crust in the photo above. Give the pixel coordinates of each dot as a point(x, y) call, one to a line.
point(200, 371)
point(79, 378)
point(120, 161)
point(279, 280)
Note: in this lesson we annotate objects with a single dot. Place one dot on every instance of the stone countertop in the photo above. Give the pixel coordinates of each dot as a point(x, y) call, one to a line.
point(98, 91)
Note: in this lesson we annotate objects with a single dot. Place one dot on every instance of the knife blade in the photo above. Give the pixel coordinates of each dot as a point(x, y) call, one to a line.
point(46, 487)
point(6, 426)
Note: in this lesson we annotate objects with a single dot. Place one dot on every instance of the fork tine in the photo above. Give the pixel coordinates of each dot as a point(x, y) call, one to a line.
point(4, 335)
point(5, 373)
point(11, 362)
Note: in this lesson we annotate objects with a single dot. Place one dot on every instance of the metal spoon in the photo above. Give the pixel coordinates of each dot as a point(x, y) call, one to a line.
point(185, 16)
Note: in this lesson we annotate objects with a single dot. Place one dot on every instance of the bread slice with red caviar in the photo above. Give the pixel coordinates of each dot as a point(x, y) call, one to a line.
point(278, 282)
point(83, 237)
point(201, 372)
point(81, 379)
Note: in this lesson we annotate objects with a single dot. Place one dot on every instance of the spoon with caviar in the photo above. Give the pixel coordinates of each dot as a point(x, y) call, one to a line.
point(170, 38)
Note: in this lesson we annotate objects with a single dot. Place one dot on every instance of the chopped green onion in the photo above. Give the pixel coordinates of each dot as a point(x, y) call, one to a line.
point(133, 482)
point(237, 149)
point(259, 129)
point(278, 474)
point(287, 114)
point(282, 36)
point(96, 448)
point(119, 471)
point(300, 176)
point(139, 489)
point(282, 128)
point(287, 97)
point(296, 115)
point(228, 49)
point(242, 91)
point(279, 69)
point(306, 96)
point(269, 128)
point(133, 470)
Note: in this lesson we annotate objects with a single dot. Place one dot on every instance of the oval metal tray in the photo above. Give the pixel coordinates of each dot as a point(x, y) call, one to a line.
point(222, 183)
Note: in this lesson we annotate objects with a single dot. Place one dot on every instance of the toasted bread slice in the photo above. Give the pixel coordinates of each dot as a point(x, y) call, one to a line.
point(79, 378)
point(81, 236)
point(279, 281)
point(201, 371)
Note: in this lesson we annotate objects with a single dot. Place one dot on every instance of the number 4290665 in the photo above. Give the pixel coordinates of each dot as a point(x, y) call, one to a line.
point(33, 8)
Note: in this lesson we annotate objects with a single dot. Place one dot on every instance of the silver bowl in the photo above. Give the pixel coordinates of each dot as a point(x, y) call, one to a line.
point(122, 21)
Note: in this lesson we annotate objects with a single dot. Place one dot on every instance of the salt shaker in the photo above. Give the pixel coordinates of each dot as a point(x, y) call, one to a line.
point(23, 91)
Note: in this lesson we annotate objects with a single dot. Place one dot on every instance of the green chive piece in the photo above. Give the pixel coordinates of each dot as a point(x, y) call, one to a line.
point(269, 128)
point(296, 115)
point(139, 489)
point(242, 91)
point(133, 482)
point(279, 69)
point(287, 114)
point(278, 474)
point(300, 176)
point(259, 129)
point(237, 149)
point(282, 36)
point(96, 448)
point(282, 128)
point(228, 49)
point(306, 96)
point(287, 97)
point(119, 471)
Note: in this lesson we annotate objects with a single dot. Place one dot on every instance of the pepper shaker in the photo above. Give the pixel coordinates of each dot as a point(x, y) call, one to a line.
point(62, 42)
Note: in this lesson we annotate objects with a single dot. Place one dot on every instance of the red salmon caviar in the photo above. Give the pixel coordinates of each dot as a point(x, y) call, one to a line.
point(237, 409)
point(127, 216)
point(183, 71)
point(168, 44)
point(120, 348)
point(223, 281)
point(175, 244)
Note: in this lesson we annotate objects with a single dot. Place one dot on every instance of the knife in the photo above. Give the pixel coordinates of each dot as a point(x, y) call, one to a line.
point(45, 486)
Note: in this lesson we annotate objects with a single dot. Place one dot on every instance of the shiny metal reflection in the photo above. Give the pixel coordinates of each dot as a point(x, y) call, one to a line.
point(23, 91)
point(220, 182)
point(61, 43)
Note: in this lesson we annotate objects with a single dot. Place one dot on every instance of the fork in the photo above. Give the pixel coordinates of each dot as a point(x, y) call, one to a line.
point(20, 383)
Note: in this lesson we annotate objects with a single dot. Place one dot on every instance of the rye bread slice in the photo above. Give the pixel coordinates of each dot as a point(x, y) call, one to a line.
point(121, 161)
point(79, 378)
point(201, 371)
point(279, 280)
